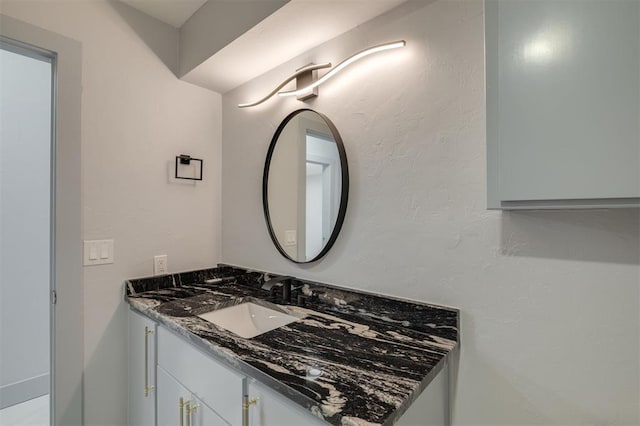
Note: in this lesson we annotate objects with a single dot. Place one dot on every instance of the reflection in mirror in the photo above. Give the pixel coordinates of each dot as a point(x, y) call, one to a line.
point(305, 186)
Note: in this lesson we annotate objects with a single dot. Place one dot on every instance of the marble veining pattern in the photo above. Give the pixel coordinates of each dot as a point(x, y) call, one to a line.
point(376, 354)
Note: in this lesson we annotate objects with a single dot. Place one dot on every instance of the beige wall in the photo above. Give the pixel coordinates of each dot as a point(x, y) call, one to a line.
point(136, 116)
point(549, 300)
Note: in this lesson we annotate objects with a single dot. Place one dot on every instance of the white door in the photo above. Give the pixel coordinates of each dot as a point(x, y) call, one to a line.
point(25, 230)
point(64, 209)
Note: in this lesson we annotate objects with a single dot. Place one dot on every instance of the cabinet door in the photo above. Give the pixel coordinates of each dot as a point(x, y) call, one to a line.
point(170, 393)
point(272, 409)
point(217, 385)
point(563, 103)
point(202, 415)
point(142, 375)
point(178, 406)
point(431, 407)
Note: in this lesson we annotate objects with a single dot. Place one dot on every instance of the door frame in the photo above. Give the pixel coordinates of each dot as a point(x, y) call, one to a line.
point(67, 329)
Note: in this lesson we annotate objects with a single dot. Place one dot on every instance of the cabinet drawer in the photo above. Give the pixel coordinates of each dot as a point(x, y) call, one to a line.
point(214, 384)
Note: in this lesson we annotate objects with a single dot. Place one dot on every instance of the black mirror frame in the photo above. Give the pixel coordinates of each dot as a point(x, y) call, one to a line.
point(344, 195)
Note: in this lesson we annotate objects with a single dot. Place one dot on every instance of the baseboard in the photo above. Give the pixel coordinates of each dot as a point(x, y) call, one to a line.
point(25, 390)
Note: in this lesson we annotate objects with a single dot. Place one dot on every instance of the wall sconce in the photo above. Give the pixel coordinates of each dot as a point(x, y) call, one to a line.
point(306, 77)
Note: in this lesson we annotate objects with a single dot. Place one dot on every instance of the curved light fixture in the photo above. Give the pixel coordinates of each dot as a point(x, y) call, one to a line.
point(308, 90)
point(298, 73)
point(344, 64)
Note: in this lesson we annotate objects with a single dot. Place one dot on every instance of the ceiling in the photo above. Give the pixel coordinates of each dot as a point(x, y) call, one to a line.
point(295, 28)
point(172, 12)
point(284, 35)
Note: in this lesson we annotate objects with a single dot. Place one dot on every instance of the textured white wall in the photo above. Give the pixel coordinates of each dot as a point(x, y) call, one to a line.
point(549, 300)
point(25, 158)
point(136, 116)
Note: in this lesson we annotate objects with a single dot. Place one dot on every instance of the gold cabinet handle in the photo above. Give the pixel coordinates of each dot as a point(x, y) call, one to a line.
point(147, 388)
point(181, 406)
point(186, 409)
point(191, 408)
point(246, 403)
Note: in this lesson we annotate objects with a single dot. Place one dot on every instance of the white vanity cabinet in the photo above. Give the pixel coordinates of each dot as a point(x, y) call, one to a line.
point(563, 103)
point(177, 405)
point(174, 383)
point(215, 385)
point(188, 374)
point(268, 408)
point(142, 370)
point(166, 370)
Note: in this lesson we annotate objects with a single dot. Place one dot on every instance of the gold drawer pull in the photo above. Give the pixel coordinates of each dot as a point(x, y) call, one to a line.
point(188, 410)
point(249, 402)
point(246, 403)
point(182, 404)
point(147, 388)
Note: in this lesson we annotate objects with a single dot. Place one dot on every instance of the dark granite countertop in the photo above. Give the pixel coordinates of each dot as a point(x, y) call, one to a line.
point(376, 353)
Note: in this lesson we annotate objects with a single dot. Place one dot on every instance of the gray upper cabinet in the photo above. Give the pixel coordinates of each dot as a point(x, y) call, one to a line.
point(563, 103)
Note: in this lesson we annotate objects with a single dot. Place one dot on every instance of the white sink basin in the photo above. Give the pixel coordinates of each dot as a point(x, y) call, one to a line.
point(248, 319)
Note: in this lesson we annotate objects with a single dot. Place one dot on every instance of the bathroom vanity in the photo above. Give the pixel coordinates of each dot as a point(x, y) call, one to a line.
point(345, 357)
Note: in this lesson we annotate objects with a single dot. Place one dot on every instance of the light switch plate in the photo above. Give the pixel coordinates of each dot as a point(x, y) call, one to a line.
point(97, 252)
point(290, 238)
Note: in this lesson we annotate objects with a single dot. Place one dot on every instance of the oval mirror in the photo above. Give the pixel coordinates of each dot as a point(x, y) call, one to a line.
point(305, 186)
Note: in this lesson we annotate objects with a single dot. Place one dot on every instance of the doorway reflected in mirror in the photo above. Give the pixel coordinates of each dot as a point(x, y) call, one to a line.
point(305, 186)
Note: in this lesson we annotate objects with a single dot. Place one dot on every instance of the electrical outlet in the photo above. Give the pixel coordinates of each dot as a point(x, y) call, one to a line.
point(160, 265)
